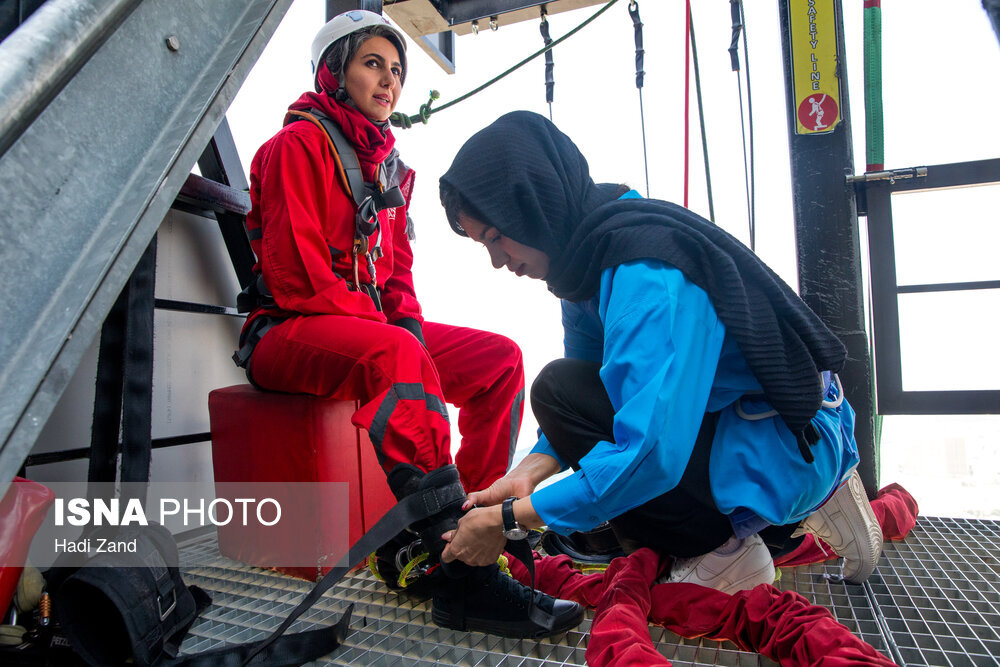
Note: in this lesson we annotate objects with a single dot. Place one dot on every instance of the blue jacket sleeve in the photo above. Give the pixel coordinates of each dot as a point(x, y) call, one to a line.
point(661, 346)
point(579, 342)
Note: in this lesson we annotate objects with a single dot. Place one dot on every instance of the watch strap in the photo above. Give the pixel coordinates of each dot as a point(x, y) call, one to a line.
point(507, 513)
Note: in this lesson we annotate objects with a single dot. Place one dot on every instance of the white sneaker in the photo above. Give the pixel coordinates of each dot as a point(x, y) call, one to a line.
point(735, 566)
point(847, 523)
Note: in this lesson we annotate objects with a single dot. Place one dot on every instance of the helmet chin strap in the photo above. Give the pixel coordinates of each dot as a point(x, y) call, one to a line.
point(341, 96)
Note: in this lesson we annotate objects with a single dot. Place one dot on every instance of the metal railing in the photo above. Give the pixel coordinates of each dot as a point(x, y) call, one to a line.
point(874, 199)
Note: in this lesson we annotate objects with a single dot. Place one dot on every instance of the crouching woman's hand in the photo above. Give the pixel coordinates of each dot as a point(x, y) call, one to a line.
point(519, 482)
point(478, 540)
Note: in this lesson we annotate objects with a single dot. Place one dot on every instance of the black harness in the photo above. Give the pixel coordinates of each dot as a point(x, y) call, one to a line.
point(370, 199)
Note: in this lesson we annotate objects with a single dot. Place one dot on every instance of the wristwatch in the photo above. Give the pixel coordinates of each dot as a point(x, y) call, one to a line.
point(512, 530)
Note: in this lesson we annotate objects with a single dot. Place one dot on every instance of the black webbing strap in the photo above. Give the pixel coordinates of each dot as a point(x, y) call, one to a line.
point(348, 158)
point(415, 507)
point(252, 336)
point(368, 198)
point(137, 400)
point(550, 81)
point(105, 429)
point(123, 390)
point(379, 201)
point(254, 295)
point(640, 52)
point(521, 550)
point(736, 13)
point(295, 649)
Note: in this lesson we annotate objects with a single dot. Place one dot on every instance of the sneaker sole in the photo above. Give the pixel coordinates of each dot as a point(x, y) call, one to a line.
point(855, 509)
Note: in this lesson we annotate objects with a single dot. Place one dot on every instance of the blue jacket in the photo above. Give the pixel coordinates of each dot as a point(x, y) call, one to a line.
point(665, 361)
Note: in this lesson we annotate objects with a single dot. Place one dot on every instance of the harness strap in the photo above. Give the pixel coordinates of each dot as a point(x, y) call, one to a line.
point(252, 336)
point(338, 156)
point(369, 199)
point(253, 295)
point(411, 509)
point(521, 550)
point(294, 649)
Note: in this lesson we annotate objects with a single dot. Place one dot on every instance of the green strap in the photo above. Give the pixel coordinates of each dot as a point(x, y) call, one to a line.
point(874, 137)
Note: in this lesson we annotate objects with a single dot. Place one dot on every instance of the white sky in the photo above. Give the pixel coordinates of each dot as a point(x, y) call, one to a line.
point(940, 106)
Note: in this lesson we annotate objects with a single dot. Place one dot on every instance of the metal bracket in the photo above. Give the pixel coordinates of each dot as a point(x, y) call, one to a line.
point(891, 175)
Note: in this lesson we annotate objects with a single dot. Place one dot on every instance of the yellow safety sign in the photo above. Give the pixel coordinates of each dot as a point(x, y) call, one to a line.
point(813, 34)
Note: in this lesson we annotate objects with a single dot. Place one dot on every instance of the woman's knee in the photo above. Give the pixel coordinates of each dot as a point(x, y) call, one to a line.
point(555, 377)
point(505, 351)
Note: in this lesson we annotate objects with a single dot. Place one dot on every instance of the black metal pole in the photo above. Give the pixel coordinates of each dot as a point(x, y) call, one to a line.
point(827, 239)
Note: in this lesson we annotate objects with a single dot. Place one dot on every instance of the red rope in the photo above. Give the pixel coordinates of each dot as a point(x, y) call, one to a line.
point(687, 98)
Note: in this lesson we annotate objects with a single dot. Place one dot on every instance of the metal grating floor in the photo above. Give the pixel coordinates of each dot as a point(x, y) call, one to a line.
point(934, 600)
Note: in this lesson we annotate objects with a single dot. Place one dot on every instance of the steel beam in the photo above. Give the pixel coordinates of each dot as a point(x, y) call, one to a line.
point(88, 182)
point(46, 51)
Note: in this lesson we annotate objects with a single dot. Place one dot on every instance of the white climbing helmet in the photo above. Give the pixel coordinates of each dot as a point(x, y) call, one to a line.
point(343, 25)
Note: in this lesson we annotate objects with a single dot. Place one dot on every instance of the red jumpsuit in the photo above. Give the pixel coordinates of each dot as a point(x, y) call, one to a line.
point(336, 343)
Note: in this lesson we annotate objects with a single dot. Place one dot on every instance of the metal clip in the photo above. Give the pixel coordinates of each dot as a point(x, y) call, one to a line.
point(173, 605)
point(475, 26)
point(494, 23)
point(889, 175)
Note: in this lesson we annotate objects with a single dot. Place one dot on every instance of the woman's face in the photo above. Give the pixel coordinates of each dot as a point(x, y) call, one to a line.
point(519, 259)
point(372, 78)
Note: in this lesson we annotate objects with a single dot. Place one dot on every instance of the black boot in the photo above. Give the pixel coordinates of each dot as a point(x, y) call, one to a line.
point(402, 563)
point(481, 599)
point(487, 600)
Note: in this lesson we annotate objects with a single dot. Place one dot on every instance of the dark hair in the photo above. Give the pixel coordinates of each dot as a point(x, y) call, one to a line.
point(454, 206)
point(344, 49)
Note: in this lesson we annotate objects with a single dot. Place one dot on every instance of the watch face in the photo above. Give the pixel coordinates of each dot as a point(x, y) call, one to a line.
point(516, 533)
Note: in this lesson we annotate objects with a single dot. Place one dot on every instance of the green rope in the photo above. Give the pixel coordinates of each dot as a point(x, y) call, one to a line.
point(403, 121)
point(874, 151)
point(874, 136)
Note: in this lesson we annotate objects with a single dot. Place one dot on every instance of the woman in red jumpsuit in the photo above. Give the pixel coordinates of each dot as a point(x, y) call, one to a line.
point(336, 341)
point(336, 336)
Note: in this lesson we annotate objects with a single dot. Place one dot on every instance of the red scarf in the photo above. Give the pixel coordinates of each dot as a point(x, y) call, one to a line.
point(371, 143)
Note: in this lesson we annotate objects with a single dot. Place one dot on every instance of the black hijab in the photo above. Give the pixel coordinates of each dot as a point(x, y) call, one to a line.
point(527, 179)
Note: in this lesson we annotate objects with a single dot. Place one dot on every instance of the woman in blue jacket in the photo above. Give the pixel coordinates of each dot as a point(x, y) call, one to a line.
point(697, 403)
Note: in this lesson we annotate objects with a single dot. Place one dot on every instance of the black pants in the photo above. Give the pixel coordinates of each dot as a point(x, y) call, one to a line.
point(574, 412)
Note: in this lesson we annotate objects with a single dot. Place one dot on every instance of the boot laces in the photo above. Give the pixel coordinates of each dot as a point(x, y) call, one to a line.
point(512, 591)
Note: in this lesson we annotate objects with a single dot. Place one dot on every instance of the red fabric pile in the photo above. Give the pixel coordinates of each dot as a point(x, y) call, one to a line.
point(781, 625)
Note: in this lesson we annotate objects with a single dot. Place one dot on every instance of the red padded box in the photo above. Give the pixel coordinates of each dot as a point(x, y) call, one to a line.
point(265, 437)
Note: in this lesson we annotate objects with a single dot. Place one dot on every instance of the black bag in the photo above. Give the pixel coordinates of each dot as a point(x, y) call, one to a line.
point(126, 604)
